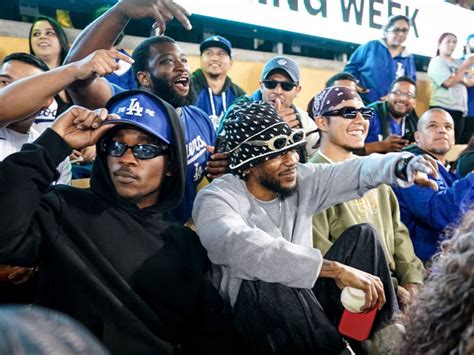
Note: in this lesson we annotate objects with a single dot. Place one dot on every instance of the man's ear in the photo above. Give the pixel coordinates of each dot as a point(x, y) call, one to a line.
point(322, 123)
point(417, 136)
point(143, 78)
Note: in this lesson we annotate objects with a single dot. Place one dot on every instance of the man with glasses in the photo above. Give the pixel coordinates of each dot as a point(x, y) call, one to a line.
point(256, 226)
point(107, 256)
point(394, 123)
point(378, 63)
point(279, 86)
point(341, 136)
point(214, 89)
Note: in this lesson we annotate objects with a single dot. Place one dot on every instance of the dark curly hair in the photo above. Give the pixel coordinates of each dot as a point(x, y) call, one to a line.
point(440, 321)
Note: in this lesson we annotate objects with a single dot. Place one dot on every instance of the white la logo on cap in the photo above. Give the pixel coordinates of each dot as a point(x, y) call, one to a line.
point(134, 108)
point(215, 38)
point(282, 62)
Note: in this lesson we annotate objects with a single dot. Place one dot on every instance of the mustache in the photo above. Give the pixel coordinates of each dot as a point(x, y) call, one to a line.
point(124, 172)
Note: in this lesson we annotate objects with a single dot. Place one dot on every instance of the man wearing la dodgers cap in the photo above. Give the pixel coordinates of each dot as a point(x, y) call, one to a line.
point(107, 256)
point(214, 89)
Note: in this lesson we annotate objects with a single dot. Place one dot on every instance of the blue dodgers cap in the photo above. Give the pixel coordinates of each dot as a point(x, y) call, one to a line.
point(286, 64)
point(216, 41)
point(144, 110)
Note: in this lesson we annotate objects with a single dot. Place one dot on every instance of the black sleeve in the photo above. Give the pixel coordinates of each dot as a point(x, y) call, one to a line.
point(24, 178)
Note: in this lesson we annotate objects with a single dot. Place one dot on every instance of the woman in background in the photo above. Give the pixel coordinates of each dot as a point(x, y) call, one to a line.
point(449, 81)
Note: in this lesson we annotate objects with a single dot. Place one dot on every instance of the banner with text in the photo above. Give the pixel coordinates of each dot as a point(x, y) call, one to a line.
point(355, 21)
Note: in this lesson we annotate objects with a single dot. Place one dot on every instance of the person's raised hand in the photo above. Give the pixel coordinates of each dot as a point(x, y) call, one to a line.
point(287, 114)
point(162, 11)
point(217, 165)
point(99, 63)
point(81, 127)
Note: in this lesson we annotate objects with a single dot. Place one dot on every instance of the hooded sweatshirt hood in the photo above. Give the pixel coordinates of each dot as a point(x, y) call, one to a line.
point(140, 109)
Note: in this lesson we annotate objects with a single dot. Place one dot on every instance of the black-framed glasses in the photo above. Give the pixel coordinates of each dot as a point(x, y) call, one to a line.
point(400, 30)
point(398, 93)
point(351, 112)
point(280, 141)
point(140, 151)
point(285, 85)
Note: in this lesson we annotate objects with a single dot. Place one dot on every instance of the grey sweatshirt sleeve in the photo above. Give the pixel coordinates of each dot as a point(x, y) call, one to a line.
point(331, 184)
point(227, 227)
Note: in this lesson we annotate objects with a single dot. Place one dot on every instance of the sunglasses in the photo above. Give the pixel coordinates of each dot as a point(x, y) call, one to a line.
point(351, 112)
point(285, 85)
point(281, 141)
point(140, 151)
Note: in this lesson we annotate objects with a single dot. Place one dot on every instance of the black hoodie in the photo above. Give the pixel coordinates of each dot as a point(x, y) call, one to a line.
point(137, 281)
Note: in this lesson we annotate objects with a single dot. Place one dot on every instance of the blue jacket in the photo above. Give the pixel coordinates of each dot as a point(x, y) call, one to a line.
point(373, 65)
point(220, 102)
point(426, 212)
point(198, 132)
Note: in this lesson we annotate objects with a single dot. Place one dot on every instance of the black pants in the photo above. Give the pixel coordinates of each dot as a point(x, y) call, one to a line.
point(275, 319)
point(459, 121)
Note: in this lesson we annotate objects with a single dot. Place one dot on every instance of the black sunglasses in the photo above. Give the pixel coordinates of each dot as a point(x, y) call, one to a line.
point(140, 151)
point(285, 85)
point(351, 112)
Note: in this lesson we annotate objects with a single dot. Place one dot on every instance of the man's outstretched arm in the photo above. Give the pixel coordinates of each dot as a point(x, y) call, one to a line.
point(26, 96)
point(102, 33)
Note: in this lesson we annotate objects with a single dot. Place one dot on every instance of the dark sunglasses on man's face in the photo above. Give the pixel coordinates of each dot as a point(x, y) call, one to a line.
point(351, 112)
point(285, 85)
point(140, 151)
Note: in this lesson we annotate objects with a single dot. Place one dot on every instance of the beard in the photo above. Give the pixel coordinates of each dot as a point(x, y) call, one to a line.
point(273, 185)
point(165, 90)
point(396, 114)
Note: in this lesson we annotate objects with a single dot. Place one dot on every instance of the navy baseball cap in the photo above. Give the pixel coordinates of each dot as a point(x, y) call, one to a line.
point(216, 41)
point(143, 110)
point(286, 64)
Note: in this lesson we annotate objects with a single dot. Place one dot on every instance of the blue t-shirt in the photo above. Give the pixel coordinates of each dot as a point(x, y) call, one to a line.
point(199, 132)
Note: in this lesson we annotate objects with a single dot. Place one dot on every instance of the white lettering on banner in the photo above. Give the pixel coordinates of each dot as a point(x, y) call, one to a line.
point(195, 149)
point(356, 21)
point(134, 108)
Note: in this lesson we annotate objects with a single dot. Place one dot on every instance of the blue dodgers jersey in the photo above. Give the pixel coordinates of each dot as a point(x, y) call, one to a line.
point(199, 132)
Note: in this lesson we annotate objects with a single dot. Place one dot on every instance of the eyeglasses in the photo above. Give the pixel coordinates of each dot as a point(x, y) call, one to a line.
point(140, 151)
point(403, 94)
point(281, 141)
point(400, 30)
point(351, 112)
point(285, 85)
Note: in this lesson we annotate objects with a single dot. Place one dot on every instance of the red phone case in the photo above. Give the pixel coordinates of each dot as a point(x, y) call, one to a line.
point(357, 325)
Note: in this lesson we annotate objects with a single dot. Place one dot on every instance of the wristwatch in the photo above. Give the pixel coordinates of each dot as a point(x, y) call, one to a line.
point(401, 167)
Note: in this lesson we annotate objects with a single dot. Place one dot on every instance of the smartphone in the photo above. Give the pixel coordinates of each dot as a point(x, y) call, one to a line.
point(357, 326)
point(220, 145)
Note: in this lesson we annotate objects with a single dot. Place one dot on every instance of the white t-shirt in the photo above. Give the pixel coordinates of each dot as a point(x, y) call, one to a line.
point(11, 142)
point(46, 117)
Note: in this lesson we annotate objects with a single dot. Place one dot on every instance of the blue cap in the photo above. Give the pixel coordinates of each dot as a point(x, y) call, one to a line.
point(286, 64)
point(216, 41)
point(143, 110)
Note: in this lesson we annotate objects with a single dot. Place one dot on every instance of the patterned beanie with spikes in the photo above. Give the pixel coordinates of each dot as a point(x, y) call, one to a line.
point(249, 128)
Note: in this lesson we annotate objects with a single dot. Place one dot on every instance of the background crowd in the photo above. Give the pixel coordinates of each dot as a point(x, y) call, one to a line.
point(181, 150)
